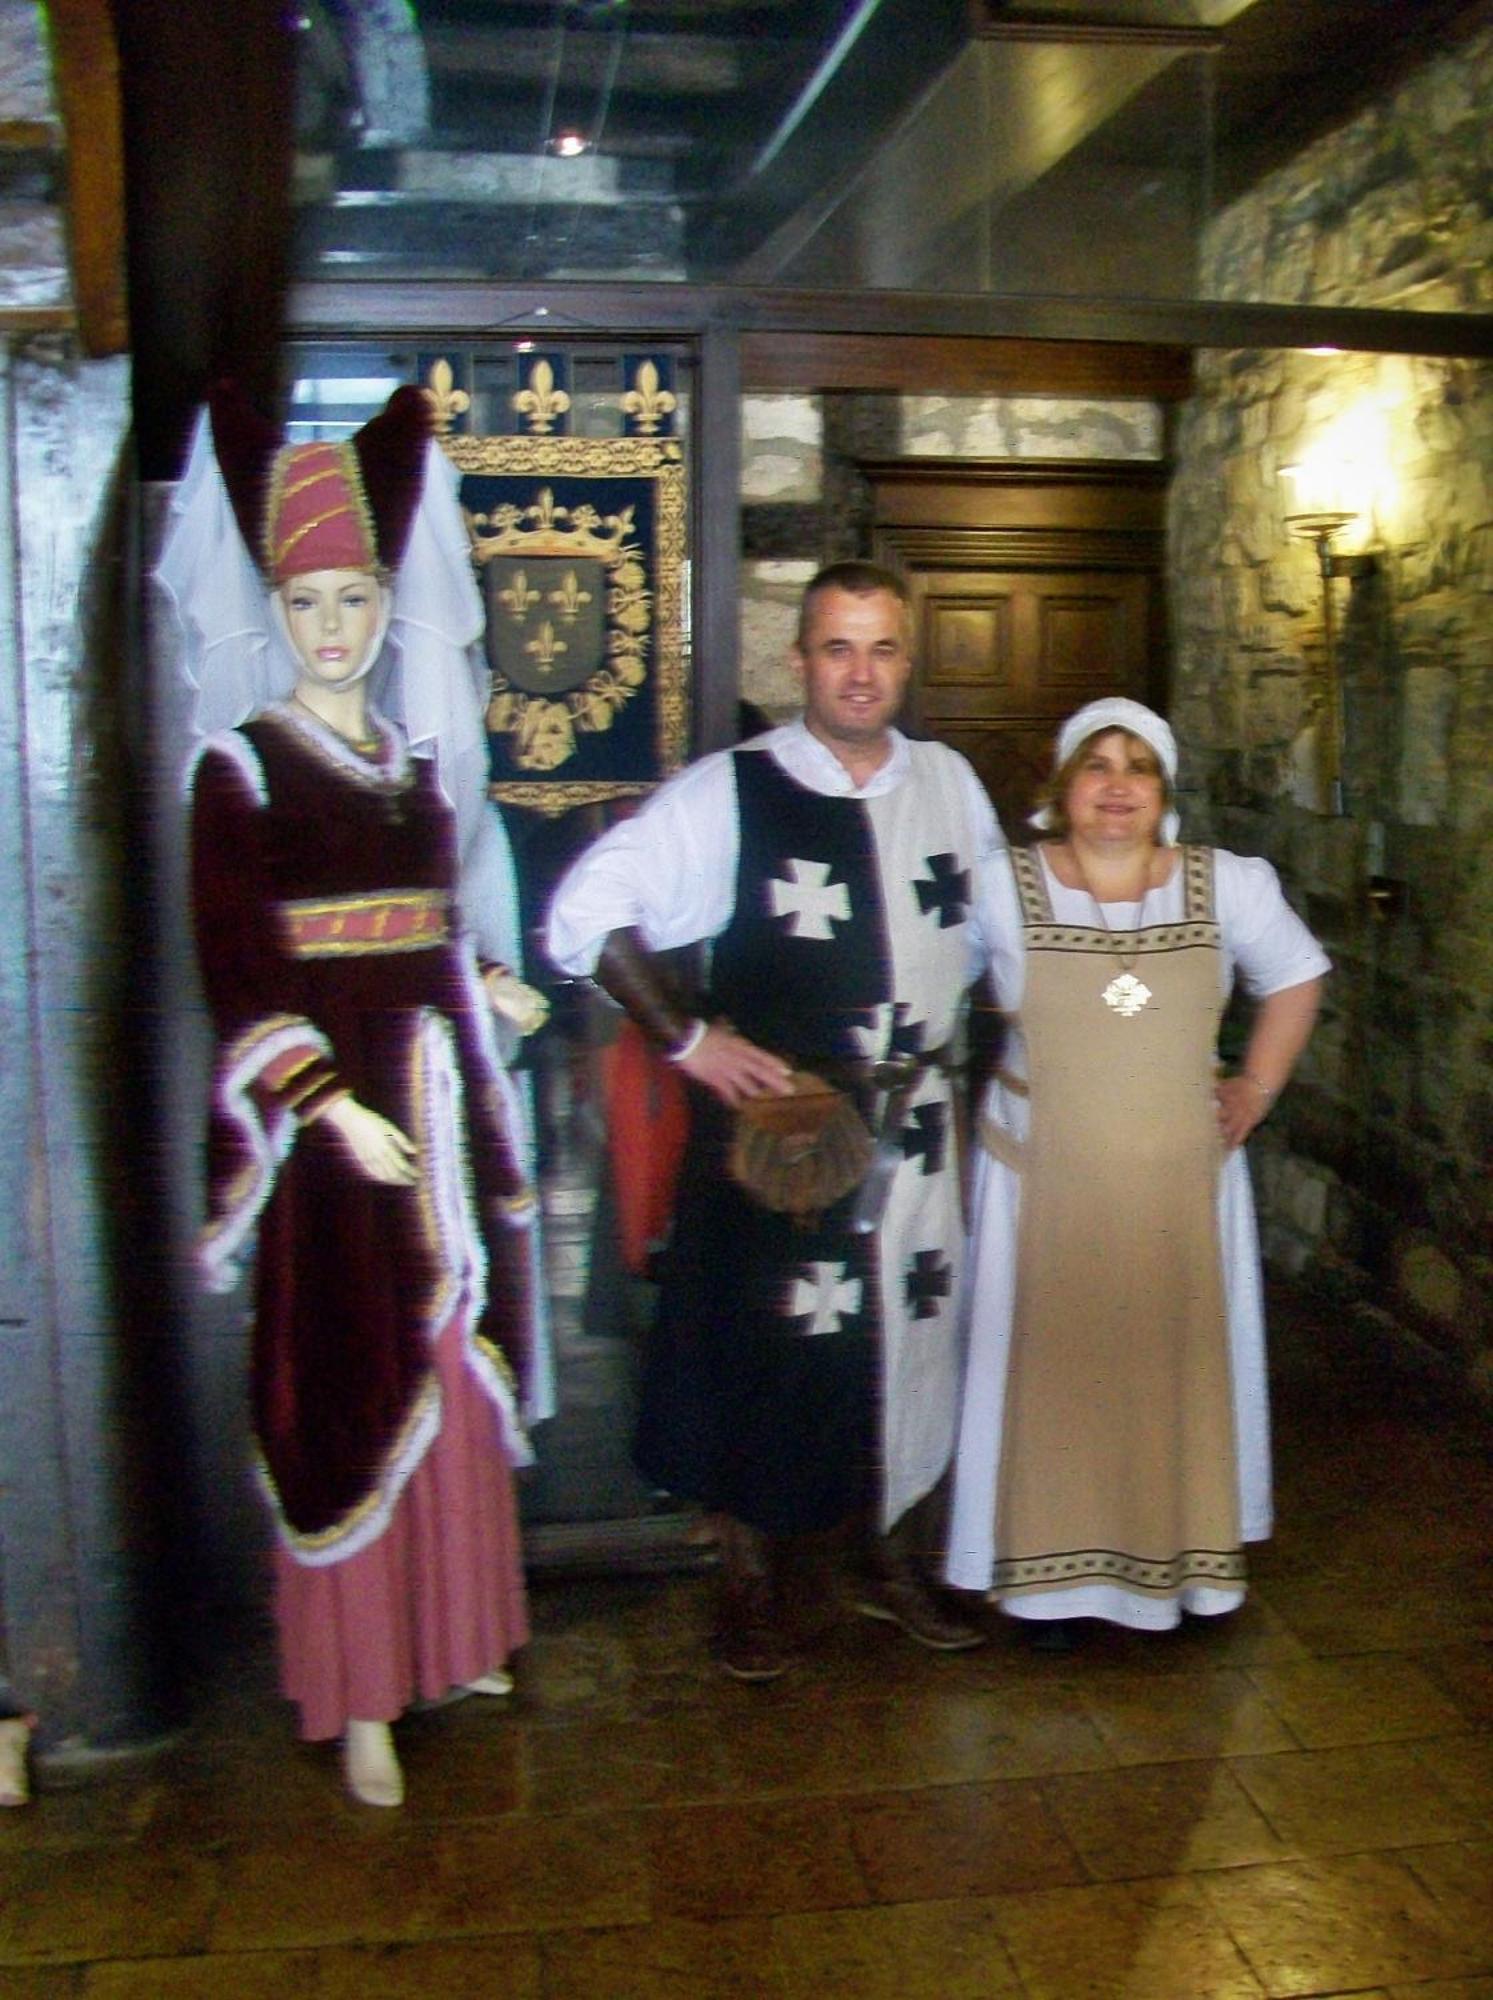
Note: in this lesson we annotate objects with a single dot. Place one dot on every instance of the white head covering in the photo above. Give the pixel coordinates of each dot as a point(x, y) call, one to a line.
point(1116, 712)
point(428, 673)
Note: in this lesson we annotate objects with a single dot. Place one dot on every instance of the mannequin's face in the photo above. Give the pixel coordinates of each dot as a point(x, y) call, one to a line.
point(333, 616)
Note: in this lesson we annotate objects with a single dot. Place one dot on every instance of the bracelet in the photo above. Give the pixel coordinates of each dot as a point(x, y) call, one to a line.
point(1263, 1088)
point(690, 1043)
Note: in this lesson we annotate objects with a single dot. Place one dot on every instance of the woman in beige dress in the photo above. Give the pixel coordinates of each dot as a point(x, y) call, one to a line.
point(1114, 1455)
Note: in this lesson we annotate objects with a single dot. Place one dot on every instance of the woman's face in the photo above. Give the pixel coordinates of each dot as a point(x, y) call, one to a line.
point(1117, 793)
point(332, 616)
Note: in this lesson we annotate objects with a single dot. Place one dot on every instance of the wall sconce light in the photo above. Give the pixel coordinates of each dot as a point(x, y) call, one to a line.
point(1319, 529)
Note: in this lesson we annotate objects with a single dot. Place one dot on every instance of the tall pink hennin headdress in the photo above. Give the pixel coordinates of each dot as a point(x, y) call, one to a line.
point(322, 505)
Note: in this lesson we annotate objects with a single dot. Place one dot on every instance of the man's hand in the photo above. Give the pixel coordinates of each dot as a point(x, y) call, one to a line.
point(734, 1068)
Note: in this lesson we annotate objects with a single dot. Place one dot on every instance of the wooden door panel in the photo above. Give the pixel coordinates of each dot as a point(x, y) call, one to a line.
point(1005, 655)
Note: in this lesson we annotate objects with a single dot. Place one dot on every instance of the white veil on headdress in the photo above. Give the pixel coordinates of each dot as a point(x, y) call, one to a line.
point(428, 676)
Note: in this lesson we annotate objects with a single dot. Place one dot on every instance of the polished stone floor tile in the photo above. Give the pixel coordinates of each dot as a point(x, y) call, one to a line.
point(495, 1969)
point(1374, 1698)
point(1162, 1819)
point(1460, 1877)
point(1162, 1941)
point(1444, 1989)
point(1340, 1609)
point(1466, 1673)
point(84, 1806)
point(753, 1859)
point(910, 1951)
point(42, 1982)
point(643, 1762)
point(962, 1736)
point(1366, 1796)
point(1312, 1927)
point(402, 1882)
point(537, 1873)
point(1293, 1801)
point(118, 1900)
point(1197, 1715)
point(1464, 1766)
point(959, 1840)
point(671, 1960)
point(466, 1761)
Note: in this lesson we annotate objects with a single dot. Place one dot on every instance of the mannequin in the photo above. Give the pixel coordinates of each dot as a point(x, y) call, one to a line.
point(363, 1131)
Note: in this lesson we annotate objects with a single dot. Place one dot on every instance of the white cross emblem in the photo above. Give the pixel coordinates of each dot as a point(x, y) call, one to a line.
point(826, 1299)
point(809, 900)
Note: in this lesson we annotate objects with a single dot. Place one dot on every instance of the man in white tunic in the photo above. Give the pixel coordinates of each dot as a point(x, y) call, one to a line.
point(804, 1368)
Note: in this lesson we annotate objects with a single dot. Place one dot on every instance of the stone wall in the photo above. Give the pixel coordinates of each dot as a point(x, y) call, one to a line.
point(1374, 1175)
point(805, 503)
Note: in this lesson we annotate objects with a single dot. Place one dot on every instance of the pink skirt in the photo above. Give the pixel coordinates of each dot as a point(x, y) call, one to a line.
point(436, 1601)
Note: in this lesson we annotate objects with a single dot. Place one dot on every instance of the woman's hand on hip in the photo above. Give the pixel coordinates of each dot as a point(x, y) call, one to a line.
point(1241, 1103)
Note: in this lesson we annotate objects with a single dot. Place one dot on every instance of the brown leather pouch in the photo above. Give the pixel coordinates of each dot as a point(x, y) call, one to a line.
point(801, 1153)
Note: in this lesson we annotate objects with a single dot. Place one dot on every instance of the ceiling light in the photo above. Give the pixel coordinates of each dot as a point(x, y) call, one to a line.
point(568, 145)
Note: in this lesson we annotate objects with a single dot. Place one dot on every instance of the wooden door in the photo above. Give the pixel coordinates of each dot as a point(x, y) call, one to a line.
point(1004, 655)
point(1035, 588)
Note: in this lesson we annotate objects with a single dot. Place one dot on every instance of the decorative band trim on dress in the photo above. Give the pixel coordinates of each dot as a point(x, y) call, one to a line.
point(1139, 1572)
point(363, 926)
point(1155, 939)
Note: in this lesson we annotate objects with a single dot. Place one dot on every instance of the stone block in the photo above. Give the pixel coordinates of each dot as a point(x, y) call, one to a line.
point(781, 448)
point(1289, 585)
point(770, 593)
point(1030, 427)
point(1423, 778)
point(1271, 711)
point(25, 68)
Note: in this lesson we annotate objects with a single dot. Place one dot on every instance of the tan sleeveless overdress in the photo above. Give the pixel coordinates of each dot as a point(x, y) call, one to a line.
point(1118, 1463)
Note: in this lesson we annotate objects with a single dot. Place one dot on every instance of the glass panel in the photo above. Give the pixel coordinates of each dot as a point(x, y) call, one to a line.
point(596, 1307)
point(936, 145)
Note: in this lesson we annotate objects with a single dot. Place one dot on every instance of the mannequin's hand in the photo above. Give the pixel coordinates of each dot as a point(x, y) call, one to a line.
point(523, 1006)
point(381, 1150)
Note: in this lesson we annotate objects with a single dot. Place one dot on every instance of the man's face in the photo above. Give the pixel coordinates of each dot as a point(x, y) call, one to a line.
point(855, 662)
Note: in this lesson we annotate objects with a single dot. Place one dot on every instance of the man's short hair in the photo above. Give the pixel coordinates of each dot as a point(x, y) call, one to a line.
point(861, 579)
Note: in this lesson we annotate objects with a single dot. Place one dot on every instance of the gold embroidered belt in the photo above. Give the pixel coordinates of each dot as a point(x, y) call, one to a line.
point(346, 926)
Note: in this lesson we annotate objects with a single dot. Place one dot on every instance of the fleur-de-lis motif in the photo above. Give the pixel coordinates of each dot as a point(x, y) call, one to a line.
point(518, 599)
point(544, 513)
point(446, 400)
point(569, 599)
point(646, 403)
point(544, 648)
point(542, 403)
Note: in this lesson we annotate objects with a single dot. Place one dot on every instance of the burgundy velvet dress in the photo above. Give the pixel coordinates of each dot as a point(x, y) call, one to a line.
point(392, 1324)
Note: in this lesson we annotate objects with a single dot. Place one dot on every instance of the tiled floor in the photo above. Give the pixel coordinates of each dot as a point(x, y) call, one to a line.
point(1296, 1802)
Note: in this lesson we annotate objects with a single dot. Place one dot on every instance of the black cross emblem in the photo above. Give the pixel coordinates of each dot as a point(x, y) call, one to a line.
point(929, 1279)
point(926, 1134)
point(907, 1036)
point(947, 893)
point(904, 1036)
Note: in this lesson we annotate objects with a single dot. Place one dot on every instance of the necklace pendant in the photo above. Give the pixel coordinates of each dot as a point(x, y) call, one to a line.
point(1126, 995)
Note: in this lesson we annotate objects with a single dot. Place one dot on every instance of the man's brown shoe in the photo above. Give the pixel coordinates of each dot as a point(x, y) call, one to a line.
point(905, 1602)
point(748, 1646)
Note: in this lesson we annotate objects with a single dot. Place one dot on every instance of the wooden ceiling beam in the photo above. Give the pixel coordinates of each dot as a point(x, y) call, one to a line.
point(85, 64)
point(520, 308)
point(912, 364)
